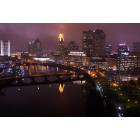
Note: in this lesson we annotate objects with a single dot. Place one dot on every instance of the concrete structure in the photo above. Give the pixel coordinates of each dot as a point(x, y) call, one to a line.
point(77, 58)
point(5, 48)
point(61, 47)
point(123, 50)
point(73, 46)
point(35, 49)
point(136, 48)
point(108, 50)
point(126, 61)
point(99, 63)
point(94, 43)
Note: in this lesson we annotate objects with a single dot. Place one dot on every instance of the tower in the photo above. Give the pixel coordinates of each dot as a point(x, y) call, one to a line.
point(125, 61)
point(123, 50)
point(108, 49)
point(94, 42)
point(61, 37)
point(87, 40)
point(5, 48)
point(61, 40)
point(61, 47)
point(73, 46)
point(35, 48)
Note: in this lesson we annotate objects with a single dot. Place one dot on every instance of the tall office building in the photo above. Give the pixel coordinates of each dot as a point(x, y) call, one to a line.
point(108, 49)
point(5, 48)
point(126, 62)
point(73, 46)
point(123, 50)
point(61, 47)
point(123, 53)
point(94, 42)
point(87, 41)
point(99, 42)
point(35, 49)
point(136, 51)
point(136, 48)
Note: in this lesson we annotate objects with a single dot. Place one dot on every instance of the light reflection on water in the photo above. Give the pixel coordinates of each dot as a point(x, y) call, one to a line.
point(43, 70)
point(29, 70)
point(61, 88)
point(62, 99)
point(44, 99)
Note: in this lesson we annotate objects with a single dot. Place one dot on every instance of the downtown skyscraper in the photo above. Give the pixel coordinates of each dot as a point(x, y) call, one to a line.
point(94, 42)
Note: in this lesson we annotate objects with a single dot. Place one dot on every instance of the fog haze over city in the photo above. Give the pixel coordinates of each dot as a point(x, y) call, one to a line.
point(20, 34)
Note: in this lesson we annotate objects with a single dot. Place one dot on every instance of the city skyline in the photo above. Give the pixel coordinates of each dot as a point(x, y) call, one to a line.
point(47, 33)
point(76, 63)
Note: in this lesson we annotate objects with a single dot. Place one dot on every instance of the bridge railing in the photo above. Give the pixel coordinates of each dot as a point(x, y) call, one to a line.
point(73, 75)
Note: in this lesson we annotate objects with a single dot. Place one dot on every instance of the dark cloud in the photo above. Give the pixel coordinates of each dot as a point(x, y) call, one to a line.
point(20, 34)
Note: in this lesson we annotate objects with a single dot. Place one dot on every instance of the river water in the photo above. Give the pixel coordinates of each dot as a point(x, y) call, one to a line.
point(74, 98)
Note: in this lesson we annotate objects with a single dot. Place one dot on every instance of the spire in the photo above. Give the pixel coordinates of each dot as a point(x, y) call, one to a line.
point(61, 37)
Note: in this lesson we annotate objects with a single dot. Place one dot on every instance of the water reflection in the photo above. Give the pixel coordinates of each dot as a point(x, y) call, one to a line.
point(78, 100)
point(61, 88)
point(19, 89)
point(79, 82)
point(81, 98)
point(38, 88)
point(29, 70)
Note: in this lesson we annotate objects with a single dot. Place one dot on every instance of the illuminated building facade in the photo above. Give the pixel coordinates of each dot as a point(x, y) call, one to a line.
point(123, 50)
point(136, 48)
point(126, 63)
point(73, 46)
point(25, 56)
point(136, 51)
point(61, 47)
point(87, 40)
point(108, 49)
point(77, 58)
point(94, 42)
point(5, 48)
point(112, 62)
point(35, 49)
point(99, 63)
point(99, 42)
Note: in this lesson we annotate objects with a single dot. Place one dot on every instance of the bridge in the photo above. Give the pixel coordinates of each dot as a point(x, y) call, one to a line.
point(72, 74)
point(28, 65)
point(50, 64)
point(95, 100)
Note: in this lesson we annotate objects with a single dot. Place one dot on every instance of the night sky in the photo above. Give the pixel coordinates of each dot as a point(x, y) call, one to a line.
point(20, 34)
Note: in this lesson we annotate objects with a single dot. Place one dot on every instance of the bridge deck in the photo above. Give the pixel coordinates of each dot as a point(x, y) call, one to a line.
point(50, 78)
point(40, 79)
